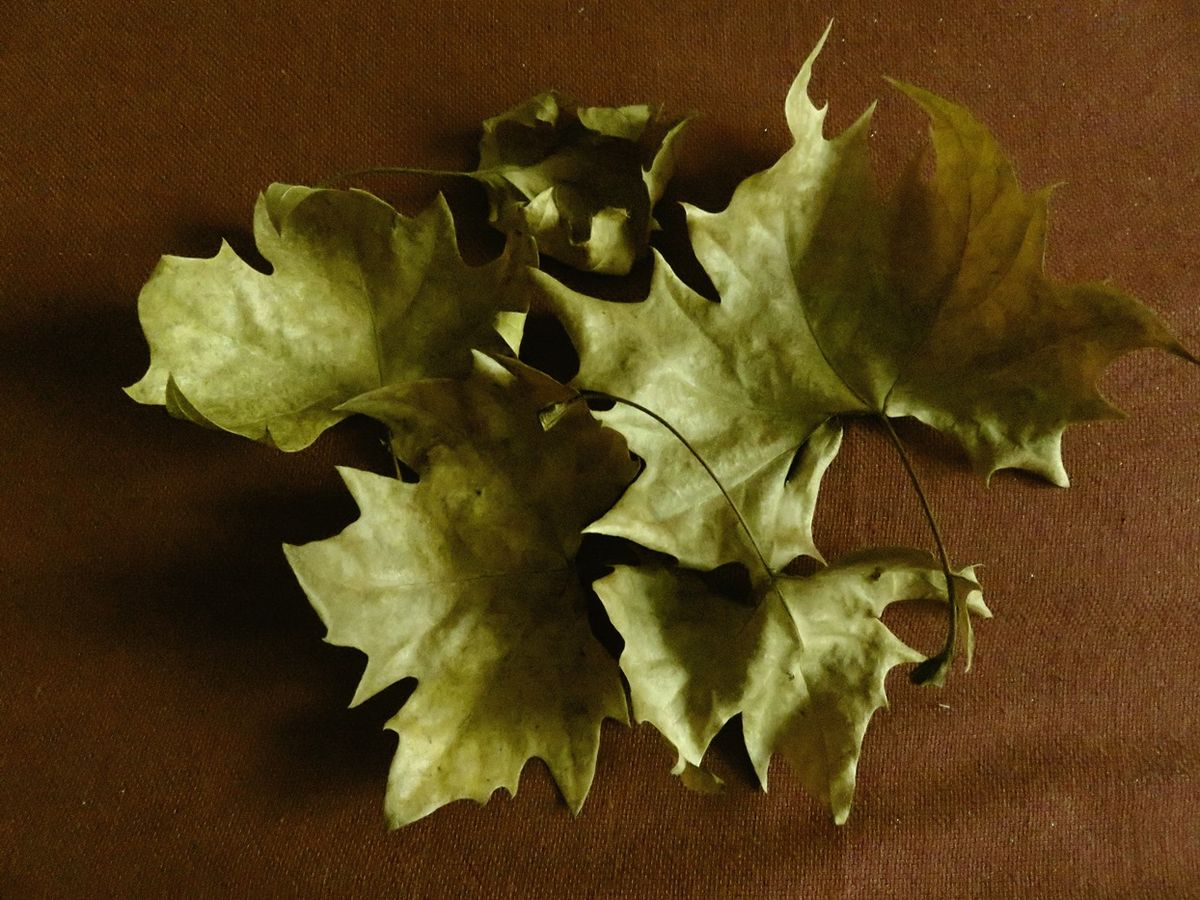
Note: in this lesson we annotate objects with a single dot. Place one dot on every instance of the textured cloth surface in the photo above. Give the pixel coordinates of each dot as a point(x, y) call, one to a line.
point(172, 724)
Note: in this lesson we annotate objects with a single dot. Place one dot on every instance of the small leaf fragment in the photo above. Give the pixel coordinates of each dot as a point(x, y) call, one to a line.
point(466, 580)
point(583, 181)
point(360, 296)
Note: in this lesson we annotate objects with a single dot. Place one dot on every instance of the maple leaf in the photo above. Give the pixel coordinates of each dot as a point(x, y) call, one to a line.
point(804, 666)
point(466, 580)
point(833, 303)
point(360, 296)
point(583, 180)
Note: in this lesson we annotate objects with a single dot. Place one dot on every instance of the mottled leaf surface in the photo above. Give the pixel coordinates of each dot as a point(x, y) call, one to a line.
point(805, 666)
point(833, 302)
point(466, 580)
point(359, 296)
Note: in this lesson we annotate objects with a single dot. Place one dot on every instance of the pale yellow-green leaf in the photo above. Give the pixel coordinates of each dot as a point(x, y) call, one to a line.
point(805, 667)
point(581, 180)
point(466, 580)
point(359, 297)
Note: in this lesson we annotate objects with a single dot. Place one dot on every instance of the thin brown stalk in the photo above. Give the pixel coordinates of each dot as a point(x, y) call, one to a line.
point(932, 666)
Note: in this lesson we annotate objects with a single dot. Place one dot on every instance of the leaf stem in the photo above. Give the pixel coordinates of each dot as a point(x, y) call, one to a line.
point(387, 443)
point(932, 668)
point(551, 413)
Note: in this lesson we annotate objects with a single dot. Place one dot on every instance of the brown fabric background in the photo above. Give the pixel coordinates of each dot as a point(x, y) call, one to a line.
point(173, 724)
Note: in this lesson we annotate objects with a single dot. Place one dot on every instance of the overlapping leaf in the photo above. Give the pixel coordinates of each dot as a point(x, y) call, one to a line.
point(805, 666)
point(466, 580)
point(583, 180)
point(360, 297)
point(833, 303)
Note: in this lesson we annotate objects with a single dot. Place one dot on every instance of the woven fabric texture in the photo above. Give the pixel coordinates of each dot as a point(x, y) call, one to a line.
point(171, 723)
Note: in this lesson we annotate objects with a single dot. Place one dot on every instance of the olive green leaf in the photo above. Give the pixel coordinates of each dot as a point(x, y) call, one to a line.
point(998, 354)
point(466, 580)
point(360, 297)
point(805, 666)
point(583, 180)
point(832, 302)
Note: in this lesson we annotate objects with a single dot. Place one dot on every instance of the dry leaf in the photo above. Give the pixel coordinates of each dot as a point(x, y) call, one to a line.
point(831, 304)
point(804, 665)
point(582, 180)
point(466, 580)
point(360, 296)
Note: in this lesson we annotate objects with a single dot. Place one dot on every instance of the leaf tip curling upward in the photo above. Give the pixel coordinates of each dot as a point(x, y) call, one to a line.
point(801, 113)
